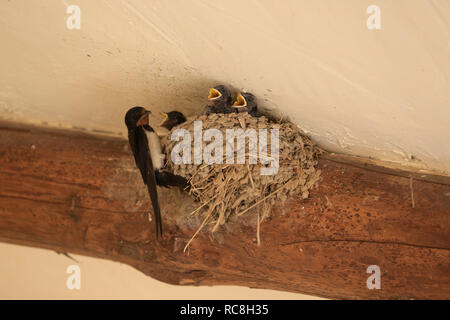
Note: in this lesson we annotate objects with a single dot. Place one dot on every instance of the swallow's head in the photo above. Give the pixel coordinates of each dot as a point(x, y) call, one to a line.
point(245, 100)
point(219, 94)
point(172, 119)
point(136, 117)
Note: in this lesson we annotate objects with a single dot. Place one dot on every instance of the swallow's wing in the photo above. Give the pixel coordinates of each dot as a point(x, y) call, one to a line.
point(139, 146)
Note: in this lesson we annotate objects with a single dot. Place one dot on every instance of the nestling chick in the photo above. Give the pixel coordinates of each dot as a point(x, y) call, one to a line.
point(246, 102)
point(172, 119)
point(220, 101)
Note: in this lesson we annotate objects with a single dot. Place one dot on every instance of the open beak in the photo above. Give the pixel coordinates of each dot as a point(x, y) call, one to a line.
point(214, 94)
point(240, 101)
point(143, 120)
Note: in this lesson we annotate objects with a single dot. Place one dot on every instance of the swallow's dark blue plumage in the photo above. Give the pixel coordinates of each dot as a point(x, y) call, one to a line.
point(138, 126)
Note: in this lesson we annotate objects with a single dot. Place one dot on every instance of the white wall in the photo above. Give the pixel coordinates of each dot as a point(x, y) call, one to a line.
point(381, 93)
point(28, 273)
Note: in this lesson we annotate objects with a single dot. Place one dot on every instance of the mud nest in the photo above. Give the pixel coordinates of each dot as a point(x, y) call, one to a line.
point(228, 190)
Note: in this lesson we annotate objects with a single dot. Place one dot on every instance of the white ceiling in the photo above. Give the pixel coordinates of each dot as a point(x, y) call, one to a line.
point(380, 93)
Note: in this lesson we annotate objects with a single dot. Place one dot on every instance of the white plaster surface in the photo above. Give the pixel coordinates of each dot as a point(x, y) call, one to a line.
point(379, 93)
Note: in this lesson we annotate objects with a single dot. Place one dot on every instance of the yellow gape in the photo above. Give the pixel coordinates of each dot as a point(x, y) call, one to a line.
point(165, 117)
point(240, 101)
point(214, 94)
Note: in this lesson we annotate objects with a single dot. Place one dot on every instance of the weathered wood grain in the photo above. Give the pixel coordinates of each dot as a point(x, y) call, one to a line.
point(81, 194)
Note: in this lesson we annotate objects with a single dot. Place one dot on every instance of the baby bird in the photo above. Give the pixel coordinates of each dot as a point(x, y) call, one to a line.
point(172, 119)
point(246, 102)
point(220, 101)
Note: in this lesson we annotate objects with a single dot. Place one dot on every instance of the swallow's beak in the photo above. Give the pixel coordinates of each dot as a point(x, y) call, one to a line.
point(214, 94)
point(143, 120)
point(240, 101)
point(165, 118)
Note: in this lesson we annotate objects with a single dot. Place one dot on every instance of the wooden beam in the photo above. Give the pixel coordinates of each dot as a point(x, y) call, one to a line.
point(81, 194)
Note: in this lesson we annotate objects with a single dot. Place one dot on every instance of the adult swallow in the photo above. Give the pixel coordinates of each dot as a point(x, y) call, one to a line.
point(220, 101)
point(149, 157)
point(146, 148)
point(172, 119)
point(246, 102)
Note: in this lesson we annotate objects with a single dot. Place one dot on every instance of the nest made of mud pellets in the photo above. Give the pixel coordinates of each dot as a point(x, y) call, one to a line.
point(227, 190)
